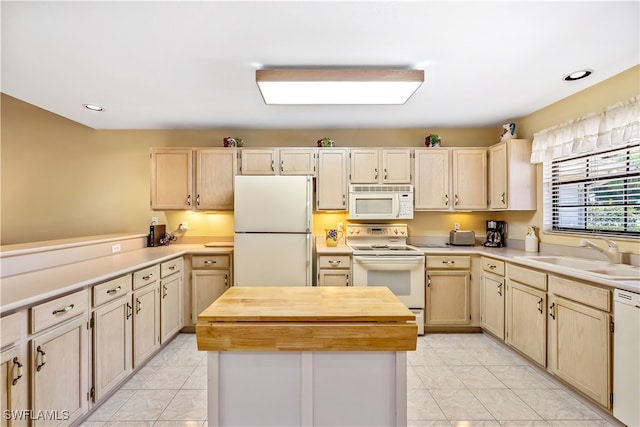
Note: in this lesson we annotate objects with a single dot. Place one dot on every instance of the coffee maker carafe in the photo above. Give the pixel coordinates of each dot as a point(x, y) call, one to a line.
point(496, 234)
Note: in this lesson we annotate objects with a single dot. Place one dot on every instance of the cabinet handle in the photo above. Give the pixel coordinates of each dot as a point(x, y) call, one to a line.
point(491, 266)
point(164, 291)
point(446, 200)
point(63, 310)
point(502, 198)
point(334, 262)
point(16, 366)
point(226, 281)
point(129, 311)
point(347, 276)
point(209, 262)
point(449, 262)
point(457, 201)
point(428, 281)
point(344, 200)
point(500, 289)
point(552, 314)
point(540, 305)
point(147, 277)
point(43, 358)
point(189, 199)
point(281, 165)
point(273, 165)
point(114, 290)
point(376, 173)
point(197, 199)
point(173, 267)
point(385, 174)
point(138, 305)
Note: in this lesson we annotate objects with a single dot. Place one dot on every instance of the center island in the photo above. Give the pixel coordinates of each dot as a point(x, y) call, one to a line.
point(307, 356)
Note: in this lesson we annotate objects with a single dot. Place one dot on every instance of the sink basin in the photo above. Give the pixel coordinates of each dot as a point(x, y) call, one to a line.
point(597, 268)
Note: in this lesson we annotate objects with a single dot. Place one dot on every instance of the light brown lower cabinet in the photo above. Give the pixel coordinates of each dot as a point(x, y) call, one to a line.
point(59, 373)
point(13, 365)
point(527, 321)
point(580, 348)
point(146, 323)
point(171, 306)
point(492, 304)
point(112, 329)
point(447, 298)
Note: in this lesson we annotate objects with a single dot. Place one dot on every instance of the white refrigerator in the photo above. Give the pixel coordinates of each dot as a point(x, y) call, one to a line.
point(272, 221)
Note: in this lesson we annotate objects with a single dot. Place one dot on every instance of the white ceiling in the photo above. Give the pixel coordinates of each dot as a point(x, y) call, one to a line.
point(191, 65)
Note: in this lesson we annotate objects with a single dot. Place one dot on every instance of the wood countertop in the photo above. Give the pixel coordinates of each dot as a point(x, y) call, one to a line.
point(307, 319)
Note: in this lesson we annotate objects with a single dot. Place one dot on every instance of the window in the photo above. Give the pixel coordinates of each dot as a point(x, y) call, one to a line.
point(594, 193)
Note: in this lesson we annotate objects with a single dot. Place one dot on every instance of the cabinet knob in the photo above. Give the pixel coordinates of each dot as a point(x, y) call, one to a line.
point(449, 262)
point(209, 261)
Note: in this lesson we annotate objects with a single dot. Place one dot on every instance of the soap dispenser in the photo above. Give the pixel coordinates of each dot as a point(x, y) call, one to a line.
point(531, 240)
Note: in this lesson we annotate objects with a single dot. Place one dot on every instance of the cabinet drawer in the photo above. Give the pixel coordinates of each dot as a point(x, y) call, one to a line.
point(528, 277)
point(493, 266)
point(334, 261)
point(448, 262)
point(144, 277)
point(583, 293)
point(111, 290)
point(11, 329)
point(57, 311)
point(172, 266)
point(210, 261)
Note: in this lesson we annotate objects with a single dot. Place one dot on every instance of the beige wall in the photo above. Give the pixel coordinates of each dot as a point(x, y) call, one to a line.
point(61, 179)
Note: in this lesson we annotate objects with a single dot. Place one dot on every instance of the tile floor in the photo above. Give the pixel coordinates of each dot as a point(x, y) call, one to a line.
point(453, 380)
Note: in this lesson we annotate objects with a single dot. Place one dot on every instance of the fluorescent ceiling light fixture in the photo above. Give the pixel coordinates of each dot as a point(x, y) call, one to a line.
point(337, 86)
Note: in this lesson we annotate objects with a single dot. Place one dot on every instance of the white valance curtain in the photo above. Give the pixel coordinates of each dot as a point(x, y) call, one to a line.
point(616, 125)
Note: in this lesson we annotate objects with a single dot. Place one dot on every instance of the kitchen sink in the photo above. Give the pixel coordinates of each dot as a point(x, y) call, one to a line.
point(597, 268)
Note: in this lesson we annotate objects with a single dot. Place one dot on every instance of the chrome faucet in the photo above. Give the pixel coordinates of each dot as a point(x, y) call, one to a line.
point(612, 253)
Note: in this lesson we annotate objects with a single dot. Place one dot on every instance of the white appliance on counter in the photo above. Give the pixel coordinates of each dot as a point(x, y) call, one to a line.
point(380, 202)
point(626, 357)
point(381, 257)
point(272, 221)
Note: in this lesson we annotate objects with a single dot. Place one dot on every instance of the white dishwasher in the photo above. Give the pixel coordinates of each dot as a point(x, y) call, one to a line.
point(626, 357)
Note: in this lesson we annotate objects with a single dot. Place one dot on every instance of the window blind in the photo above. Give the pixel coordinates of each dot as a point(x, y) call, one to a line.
point(594, 193)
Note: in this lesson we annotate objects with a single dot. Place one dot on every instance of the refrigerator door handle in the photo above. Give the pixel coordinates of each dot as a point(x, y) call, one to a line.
point(308, 279)
point(309, 200)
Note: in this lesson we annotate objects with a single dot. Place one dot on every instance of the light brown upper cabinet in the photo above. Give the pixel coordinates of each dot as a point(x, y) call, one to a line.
point(450, 179)
point(332, 183)
point(380, 166)
point(512, 177)
point(192, 179)
point(278, 161)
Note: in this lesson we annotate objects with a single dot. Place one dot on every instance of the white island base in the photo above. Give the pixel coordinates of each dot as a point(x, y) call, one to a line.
point(307, 388)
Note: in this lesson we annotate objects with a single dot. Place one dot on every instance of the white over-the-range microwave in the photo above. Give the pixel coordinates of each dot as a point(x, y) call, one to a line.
point(380, 202)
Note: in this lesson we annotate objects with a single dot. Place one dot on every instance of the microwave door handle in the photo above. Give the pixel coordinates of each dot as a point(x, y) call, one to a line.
point(396, 206)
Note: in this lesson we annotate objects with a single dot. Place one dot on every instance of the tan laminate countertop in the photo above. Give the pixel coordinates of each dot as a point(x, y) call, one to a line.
point(306, 318)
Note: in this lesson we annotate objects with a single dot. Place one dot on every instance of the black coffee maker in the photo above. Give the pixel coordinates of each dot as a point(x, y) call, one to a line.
point(496, 234)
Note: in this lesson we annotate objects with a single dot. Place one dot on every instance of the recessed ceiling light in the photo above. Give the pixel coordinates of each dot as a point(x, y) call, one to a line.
point(577, 75)
point(337, 86)
point(93, 107)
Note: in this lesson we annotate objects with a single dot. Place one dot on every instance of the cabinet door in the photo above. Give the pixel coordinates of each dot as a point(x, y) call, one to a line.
point(447, 299)
point(59, 371)
point(364, 166)
point(498, 176)
point(171, 307)
point(396, 166)
point(526, 321)
point(258, 162)
point(14, 386)
point(146, 320)
point(171, 179)
point(297, 161)
point(215, 172)
point(333, 278)
point(469, 178)
point(111, 345)
point(332, 179)
point(492, 304)
point(432, 179)
point(207, 286)
point(581, 348)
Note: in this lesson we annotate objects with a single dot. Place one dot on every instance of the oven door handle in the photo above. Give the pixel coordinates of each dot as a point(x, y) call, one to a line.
point(389, 260)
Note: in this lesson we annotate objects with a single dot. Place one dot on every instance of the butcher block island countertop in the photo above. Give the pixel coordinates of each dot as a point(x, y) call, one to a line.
point(307, 319)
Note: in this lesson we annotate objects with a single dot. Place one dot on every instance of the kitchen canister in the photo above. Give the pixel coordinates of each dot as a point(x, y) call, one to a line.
point(531, 240)
point(333, 236)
